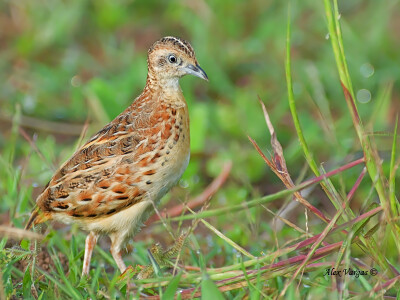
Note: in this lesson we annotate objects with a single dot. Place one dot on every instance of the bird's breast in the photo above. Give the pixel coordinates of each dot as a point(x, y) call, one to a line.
point(173, 151)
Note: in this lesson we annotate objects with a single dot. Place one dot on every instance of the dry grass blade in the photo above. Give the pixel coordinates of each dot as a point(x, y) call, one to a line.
point(18, 234)
point(44, 125)
point(227, 240)
point(278, 165)
point(278, 159)
point(285, 178)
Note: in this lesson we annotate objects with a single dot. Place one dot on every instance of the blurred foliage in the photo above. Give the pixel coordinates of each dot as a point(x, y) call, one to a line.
point(78, 60)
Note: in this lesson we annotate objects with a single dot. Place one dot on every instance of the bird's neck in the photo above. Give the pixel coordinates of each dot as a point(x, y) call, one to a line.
point(165, 85)
point(168, 89)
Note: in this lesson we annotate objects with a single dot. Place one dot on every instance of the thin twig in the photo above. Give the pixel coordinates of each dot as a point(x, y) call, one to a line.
point(33, 145)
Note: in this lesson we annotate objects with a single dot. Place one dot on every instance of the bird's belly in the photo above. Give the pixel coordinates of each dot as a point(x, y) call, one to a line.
point(169, 175)
point(125, 222)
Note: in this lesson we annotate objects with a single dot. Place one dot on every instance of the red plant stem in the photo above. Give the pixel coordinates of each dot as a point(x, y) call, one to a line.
point(318, 254)
point(311, 240)
point(318, 265)
point(355, 186)
point(352, 105)
point(386, 284)
point(334, 172)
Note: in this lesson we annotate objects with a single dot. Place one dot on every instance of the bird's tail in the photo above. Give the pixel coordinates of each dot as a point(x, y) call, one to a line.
point(36, 217)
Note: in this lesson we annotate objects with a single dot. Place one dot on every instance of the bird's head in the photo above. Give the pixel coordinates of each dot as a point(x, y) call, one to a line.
point(170, 58)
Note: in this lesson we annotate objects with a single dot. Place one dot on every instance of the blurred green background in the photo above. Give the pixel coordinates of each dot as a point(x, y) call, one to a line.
point(67, 62)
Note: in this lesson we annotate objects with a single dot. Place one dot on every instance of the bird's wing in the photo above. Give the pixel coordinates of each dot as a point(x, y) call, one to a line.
point(103, 177)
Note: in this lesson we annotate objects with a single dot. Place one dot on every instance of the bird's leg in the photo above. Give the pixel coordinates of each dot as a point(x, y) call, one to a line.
point(116, 252)
point(118, 259)
point(91, 241)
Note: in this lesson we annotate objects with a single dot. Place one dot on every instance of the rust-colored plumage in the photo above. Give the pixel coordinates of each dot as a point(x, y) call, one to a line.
point(110, 184)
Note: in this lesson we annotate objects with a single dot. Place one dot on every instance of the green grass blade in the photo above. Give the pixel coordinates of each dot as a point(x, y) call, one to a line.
point(331, 193)
point(227, 240)
point(209, 290)
point(292, 103)
point(172, 288)
point(394, 204)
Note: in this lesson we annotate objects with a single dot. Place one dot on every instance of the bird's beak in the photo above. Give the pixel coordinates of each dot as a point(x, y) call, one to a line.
point(196, 71)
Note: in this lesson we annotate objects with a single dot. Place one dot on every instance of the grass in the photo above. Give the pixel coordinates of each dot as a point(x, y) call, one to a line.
point(330, 202)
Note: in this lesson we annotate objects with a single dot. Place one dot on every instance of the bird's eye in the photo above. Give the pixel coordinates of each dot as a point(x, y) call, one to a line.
point(172, 59)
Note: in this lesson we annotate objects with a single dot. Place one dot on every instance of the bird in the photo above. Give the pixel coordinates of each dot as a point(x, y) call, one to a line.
point(111, 184)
